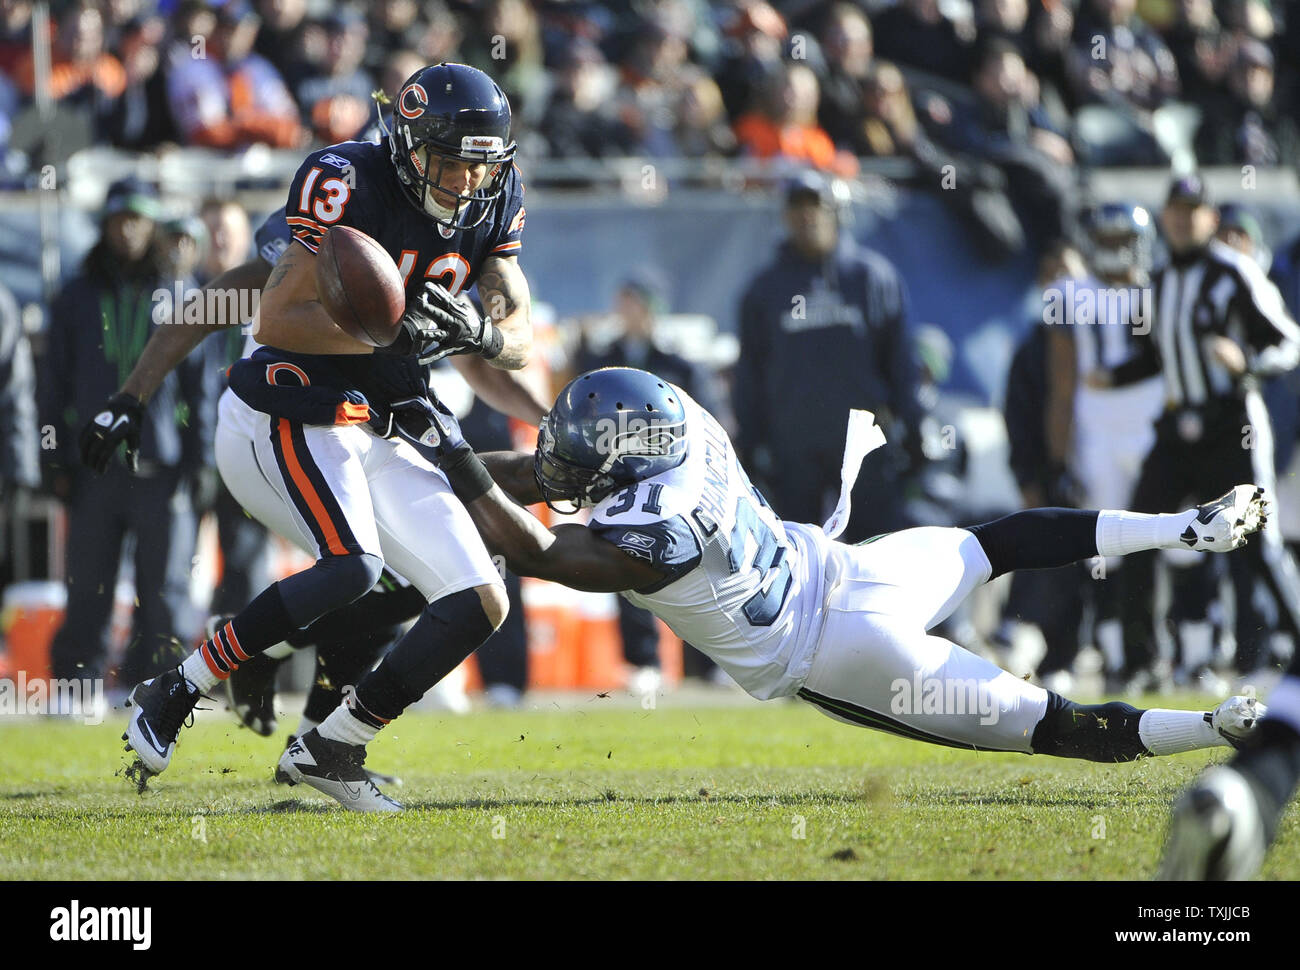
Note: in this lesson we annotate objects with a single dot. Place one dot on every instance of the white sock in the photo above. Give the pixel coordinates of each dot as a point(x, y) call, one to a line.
point(343, 725)
point(305, 724)
point(198, 673)
point(278, 651)
point(1173, 732)
point(1284, 702)
point(1119, 533)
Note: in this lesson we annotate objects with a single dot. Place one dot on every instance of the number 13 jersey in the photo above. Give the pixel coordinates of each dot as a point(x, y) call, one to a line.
point(740, 584)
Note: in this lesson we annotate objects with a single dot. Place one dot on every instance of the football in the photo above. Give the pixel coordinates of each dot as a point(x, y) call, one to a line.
point(359, 285)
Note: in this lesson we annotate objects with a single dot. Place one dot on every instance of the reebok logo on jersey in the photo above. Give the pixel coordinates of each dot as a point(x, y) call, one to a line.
point(336, 160)
point(637, 544)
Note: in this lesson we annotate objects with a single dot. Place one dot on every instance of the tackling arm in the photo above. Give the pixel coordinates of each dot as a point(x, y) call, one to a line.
point(513, 471)
point(168, 346)
point(568, 554)
point(503, 291)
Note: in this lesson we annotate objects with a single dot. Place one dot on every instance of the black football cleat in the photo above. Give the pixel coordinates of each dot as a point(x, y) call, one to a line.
point(162, 706)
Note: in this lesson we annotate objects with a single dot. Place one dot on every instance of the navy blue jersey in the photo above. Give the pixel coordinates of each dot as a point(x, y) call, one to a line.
point(354, 184)
point(272, 237)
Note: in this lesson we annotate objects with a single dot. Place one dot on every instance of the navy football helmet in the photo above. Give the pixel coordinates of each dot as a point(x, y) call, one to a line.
point(609, 428)
point(1121, 237)
point(444, 113)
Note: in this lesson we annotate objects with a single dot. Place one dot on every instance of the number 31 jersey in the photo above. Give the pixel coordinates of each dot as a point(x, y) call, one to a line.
point(740, 584)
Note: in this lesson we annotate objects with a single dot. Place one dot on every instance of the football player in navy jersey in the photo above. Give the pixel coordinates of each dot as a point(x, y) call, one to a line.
point(442, 196)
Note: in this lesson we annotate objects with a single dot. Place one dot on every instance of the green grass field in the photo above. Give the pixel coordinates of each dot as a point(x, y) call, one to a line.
point(599, 791)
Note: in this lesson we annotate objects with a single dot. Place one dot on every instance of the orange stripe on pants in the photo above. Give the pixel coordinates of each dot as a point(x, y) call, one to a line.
point(332, 540)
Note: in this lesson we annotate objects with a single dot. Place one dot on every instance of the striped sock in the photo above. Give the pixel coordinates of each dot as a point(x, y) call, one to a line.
point(261, 624)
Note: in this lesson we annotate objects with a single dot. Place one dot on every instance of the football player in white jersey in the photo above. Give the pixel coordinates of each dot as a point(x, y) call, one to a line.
point(677, 528)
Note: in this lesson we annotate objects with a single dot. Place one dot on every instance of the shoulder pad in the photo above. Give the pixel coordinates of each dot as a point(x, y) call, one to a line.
point(669, 545)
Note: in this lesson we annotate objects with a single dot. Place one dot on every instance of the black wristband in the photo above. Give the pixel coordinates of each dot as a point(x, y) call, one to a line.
point(467, 474)
point(495, 343)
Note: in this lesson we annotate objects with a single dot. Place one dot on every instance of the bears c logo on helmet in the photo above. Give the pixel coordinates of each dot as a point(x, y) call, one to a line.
point(412, 101)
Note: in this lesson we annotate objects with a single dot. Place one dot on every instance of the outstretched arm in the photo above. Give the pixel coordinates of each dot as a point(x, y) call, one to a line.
point(169, 345)
point(513, 471)
point(568, 554)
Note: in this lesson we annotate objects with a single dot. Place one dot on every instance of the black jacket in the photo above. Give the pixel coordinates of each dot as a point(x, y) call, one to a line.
point(99, 324)
point(817, 339)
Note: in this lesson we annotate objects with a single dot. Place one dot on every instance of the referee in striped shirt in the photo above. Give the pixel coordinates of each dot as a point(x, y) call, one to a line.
point(1219, 327)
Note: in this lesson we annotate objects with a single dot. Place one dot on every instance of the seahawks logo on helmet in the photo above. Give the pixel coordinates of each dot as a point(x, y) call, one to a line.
point(609, 428)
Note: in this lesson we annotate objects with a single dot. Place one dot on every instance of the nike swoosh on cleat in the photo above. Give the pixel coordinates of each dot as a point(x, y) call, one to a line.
point(354, 795)
point(149, 736)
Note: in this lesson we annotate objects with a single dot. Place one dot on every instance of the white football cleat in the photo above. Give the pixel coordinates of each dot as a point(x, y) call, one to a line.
point(334, 768)
point(1224, 524)
point(1236, 718)
point(1217, 832)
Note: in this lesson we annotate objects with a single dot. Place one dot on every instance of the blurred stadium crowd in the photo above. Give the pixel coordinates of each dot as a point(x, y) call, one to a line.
point(825, 83)
point(999, 107)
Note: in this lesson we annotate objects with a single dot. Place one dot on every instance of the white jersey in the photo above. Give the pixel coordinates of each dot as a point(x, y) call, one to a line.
point(1114, 428)
point(740, 585)
point(1107, 321)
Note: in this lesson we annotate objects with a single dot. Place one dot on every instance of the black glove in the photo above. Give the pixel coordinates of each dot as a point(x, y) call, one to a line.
point(437, 325)
point(468, 332)
point(118, 422)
